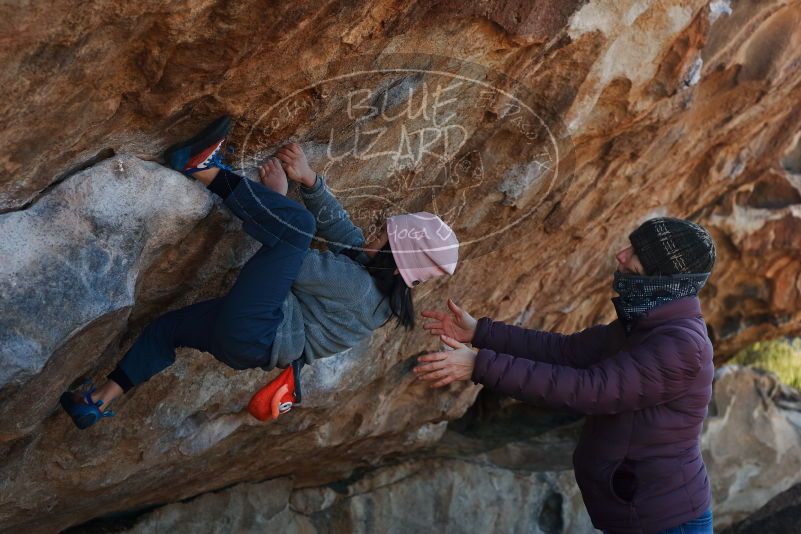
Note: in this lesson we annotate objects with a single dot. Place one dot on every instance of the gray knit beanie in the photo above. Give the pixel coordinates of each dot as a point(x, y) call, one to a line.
point(668, 246)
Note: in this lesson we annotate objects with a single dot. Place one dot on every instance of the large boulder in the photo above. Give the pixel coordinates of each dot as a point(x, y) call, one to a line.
point(508, 470)
point(427, 496)
point(781, 514)
point(751, 441)
point(543, 132)
point(72, 263)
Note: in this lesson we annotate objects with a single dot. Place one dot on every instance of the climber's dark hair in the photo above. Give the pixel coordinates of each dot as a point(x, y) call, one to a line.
point(382, 268)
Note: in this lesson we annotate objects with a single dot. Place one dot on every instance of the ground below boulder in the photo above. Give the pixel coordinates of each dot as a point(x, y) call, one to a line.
point(508, 469)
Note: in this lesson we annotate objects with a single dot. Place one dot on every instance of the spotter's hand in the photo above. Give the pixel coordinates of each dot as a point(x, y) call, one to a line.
point(458, 324)
point(445, 367)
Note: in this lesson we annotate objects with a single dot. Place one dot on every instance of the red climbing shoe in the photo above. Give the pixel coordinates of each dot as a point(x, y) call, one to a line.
point(277, 397)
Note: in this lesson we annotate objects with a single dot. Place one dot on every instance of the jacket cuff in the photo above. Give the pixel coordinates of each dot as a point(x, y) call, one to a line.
point(482, 330)
point(483, 359)
point(316, 189)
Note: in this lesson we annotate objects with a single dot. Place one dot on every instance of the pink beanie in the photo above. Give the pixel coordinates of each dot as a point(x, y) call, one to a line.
point(423, 246)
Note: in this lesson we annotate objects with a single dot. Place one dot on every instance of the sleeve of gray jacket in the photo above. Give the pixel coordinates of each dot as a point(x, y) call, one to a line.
point(333, 222)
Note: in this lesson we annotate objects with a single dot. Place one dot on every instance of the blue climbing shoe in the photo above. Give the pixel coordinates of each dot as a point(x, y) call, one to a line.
point(202, 151)
point(81, 409)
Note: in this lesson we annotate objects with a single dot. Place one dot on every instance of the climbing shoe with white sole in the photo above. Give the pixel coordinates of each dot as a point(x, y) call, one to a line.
point(278, 396)
point(202, 151)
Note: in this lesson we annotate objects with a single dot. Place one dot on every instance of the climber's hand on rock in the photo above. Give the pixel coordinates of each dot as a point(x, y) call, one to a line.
point(458, 324)
point(295, 164)
point(448, 366)
point(272, 176)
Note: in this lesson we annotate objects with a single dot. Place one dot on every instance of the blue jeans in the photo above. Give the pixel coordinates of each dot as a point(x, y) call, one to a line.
point(239, 328)
point(700, 525)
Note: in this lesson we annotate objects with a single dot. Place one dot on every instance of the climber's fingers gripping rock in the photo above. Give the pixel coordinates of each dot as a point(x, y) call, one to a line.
point(272, 176)
point(296, 165)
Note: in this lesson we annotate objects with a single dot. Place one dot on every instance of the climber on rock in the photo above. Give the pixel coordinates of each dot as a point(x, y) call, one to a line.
point(290, 304)
point(644, 381)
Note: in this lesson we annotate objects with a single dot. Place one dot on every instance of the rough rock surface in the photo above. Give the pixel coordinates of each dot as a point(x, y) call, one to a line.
point(72, 260)
point(671, 107)
point(750, 441)
point(426, 496)
point(780, 514)
point(507, 474)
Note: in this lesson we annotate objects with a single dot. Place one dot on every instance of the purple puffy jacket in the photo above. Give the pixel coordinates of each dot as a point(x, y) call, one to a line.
point(638, 462)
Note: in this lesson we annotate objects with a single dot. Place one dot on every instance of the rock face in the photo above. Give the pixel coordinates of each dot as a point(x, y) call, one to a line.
point(72, 260)
point(508, 475)
point(780, 514)
point(751, 441)
point(428, 496)
point(543, 132)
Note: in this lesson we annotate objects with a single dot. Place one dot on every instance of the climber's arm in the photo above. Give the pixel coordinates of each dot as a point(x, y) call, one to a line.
point(333, 222)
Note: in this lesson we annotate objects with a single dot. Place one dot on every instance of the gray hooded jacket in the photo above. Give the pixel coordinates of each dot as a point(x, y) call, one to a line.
point(334, 302)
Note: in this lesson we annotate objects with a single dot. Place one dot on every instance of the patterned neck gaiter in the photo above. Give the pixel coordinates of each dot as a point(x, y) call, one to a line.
point(641, 294)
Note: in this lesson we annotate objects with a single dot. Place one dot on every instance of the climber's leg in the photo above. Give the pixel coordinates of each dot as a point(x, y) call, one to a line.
point(251, 313)
point(107, 392)
point(154, 349)
point(238, 328)
point(267, 215)
point(207, 176)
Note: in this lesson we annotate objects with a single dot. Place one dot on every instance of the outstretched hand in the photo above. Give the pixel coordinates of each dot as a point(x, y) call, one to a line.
point(295, 164)
point(458, 324)
point(445, 367)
